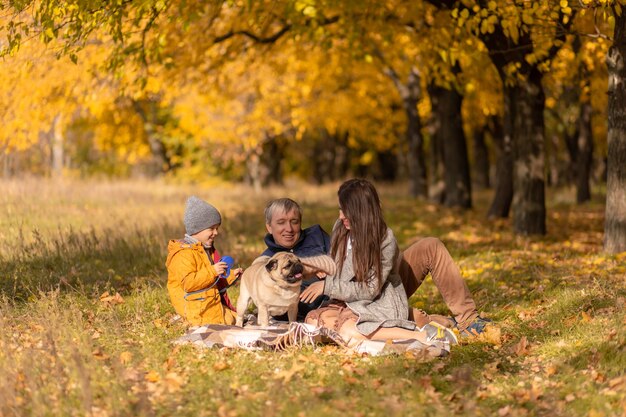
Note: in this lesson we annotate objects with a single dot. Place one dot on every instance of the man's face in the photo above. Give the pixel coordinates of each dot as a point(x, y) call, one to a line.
point(285, 228)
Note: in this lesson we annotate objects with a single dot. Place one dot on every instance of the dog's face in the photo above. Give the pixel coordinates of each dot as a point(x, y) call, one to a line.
point(285, 266)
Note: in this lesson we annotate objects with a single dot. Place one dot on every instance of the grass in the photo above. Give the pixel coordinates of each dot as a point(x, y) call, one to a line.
point(68, 349)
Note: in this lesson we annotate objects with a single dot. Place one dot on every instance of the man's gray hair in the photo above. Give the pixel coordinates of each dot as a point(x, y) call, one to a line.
point(284, 205)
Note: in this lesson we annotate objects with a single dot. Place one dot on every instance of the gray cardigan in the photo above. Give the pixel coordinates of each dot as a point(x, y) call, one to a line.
point(387, 307)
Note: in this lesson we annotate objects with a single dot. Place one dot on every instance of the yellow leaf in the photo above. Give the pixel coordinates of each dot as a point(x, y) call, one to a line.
point(152, 376)
point(125, 357)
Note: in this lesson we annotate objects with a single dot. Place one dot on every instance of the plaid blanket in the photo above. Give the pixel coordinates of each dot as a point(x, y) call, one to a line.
point(281, 336)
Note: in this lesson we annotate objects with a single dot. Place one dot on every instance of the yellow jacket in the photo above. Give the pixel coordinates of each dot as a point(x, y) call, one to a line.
point(189, 270)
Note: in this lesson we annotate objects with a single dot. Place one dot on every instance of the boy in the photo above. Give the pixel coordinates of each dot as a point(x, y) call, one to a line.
point(195, 281)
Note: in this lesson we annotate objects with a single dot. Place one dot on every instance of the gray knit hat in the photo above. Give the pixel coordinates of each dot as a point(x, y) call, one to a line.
point(200, 215)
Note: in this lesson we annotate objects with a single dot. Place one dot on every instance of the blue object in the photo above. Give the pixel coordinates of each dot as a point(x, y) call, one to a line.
point(229, 262)
point(477, 327)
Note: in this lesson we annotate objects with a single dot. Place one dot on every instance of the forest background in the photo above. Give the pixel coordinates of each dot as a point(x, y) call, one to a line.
point(112, 112)
point(259, 91)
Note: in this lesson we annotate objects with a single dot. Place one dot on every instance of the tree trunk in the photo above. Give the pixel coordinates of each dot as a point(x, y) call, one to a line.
point(148, 110)
point(57, 147)
point(7, 160)
point(580, 143)
point(417, 167)
point(527, 101)
point(272, 153)
point(481, 158)
point(387, 166)
point(503, 196)
point(584, 155)
point(615, 218)
point(410, 93)
point(436, 185)
point(341, 164)
point(524, 103)
point(450, 134)
point(323, 158)
point(263, 163)
point(253, 169)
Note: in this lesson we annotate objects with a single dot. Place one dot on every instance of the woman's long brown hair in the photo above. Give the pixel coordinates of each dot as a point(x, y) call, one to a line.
point(360, 204)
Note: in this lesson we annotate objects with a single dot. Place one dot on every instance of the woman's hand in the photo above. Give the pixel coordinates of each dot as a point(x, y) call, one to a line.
point(311, 292)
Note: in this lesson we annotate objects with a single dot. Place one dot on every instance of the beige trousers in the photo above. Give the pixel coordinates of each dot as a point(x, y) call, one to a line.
point(429, 255)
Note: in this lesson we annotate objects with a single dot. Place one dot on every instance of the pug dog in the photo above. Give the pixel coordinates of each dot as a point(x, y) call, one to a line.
point(273, 285)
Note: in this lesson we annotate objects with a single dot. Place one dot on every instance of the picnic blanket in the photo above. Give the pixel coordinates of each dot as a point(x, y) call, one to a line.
point(282, 336)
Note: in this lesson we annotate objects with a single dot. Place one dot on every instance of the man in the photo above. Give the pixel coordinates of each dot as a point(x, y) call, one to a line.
point(283, 221)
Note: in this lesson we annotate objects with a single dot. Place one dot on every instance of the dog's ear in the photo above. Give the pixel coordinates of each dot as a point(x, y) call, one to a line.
point(271, 265)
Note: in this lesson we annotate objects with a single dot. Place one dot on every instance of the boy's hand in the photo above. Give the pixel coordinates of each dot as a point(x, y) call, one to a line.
point(220, 267)
point(238, 272)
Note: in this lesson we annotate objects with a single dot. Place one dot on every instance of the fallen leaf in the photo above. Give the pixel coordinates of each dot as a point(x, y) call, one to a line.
point(586, 318)
point(287, 374)
point(611, 335)
point(125, 357)
point(521, 347)
point(570, 397)
point(108, 299)
point(539, 324)
point(152, 376)
point(376, 383)
point(350, 380)
point(550, 370)
point(321, 391)
point(220, 366)
point(99, 354)
point(492, 335)
point(169, 363)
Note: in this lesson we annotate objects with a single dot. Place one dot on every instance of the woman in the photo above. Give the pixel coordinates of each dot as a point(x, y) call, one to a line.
point(368, 300)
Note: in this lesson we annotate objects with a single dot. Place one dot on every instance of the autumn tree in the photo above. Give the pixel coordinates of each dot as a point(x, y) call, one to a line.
point(521, 43)
point(615, 219)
